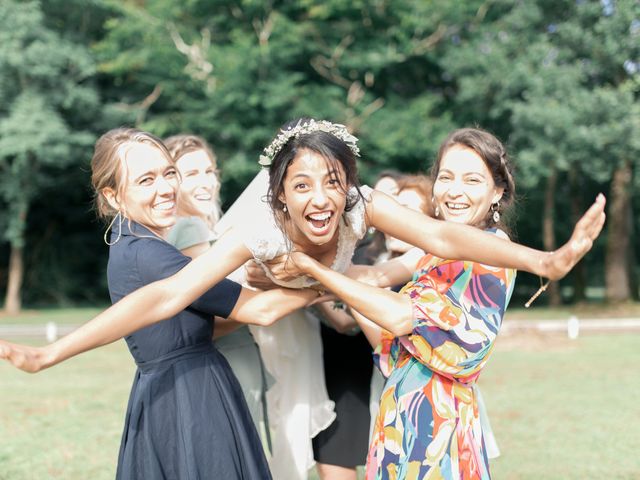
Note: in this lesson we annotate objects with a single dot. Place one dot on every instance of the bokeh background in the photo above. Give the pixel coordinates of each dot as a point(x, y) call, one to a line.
point(557, 80)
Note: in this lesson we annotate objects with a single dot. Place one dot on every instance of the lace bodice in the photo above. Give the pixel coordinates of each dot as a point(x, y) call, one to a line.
point(267, 241)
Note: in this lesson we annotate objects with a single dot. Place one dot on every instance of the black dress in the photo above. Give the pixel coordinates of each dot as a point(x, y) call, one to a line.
point(187, 417)
point(347, 369)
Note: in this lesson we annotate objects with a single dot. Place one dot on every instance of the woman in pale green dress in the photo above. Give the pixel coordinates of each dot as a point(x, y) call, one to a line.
point(198, 212)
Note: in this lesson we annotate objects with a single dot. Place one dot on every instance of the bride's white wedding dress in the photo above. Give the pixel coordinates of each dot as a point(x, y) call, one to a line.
point(298, 404)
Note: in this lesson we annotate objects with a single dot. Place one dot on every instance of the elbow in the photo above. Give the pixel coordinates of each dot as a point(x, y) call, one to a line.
point(265, 317)
point(401, 327)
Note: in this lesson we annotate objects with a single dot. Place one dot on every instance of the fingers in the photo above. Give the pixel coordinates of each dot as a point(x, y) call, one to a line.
point(592, 215)
point(590, 225)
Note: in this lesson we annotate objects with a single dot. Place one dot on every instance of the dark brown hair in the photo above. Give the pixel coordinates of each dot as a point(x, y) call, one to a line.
point(333, 150)
point(495, 157)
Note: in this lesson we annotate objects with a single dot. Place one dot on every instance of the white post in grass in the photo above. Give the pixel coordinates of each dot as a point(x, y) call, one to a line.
point(52, 332)
point(573, 327)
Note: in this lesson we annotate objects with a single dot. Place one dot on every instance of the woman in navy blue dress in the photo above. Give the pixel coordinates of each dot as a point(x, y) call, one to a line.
point(187, 417)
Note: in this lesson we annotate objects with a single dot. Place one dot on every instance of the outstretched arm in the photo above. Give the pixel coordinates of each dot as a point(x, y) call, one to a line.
point(150, 304)
point(390, 310)
point(265, 308)
point(397, 271)
point(462, 242)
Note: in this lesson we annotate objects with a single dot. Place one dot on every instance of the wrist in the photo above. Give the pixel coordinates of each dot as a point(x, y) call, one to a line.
point(307, 265)
point(49, 356)
point(541, 267)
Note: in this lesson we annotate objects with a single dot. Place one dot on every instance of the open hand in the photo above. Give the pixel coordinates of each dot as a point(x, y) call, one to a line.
point(560, 262)
point(27, 358)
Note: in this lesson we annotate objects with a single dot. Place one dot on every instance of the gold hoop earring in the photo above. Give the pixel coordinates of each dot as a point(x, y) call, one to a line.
point(120, 221)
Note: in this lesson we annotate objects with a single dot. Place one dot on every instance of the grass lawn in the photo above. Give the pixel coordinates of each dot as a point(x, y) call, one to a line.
point(66, 422)
point(584, 310)
point(563, 409)
point(73, 316)
point(560, 409)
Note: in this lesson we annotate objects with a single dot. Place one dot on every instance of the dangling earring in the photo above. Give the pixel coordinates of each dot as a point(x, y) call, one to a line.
point(436, 210)
point(284, 208)
point(120, 220)
point(496, 214)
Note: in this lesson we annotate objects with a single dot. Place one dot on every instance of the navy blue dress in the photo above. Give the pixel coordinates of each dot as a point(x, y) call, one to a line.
point(187, 417)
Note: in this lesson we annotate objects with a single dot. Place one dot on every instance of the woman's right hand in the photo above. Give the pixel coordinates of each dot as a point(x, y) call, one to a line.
point(256, 276)
point(289, 266)
point(27, 358)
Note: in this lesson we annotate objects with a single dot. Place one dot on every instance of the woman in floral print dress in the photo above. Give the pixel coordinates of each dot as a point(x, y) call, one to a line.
point(434, 337)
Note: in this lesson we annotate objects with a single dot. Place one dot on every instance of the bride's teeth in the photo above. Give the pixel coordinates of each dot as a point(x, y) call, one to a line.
point(319, 216)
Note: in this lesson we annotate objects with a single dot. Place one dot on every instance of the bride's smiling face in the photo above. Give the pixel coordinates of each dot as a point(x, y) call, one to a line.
point(315, 198)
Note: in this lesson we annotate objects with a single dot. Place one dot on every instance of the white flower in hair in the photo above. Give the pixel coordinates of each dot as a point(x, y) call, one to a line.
point(310, 126)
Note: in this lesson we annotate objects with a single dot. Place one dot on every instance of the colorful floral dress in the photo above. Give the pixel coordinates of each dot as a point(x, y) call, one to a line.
point(428, 426)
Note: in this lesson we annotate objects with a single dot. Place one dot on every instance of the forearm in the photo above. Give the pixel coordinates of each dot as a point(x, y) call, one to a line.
point(451, 240)
point(154, 302)
point(120, 320)
point(341, 320)
point(461, 242)
point(387, 309)
point(372, 331)
point(390, 273)
point(265, 308)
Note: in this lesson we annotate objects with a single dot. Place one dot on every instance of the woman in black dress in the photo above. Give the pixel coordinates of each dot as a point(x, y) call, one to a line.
point(187, 416)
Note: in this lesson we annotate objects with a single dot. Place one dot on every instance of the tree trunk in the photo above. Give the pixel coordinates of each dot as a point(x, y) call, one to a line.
point(18, 222)
point(548, 233)
point(579, 271)
point(617, 268)
point(12, 303)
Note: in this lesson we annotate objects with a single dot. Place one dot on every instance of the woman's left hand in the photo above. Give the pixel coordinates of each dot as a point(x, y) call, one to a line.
point(557, 264)
point(288, 266)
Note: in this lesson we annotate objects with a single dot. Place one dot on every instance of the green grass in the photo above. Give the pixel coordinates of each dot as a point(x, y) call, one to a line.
point(563, 409)
point(516, 312)
point(66, 422)
point(560, 409)
point(58, 315)
point(584, 310)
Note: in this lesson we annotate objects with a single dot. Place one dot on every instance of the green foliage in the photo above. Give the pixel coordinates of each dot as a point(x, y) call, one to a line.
point(557, 80)
point(41, 83)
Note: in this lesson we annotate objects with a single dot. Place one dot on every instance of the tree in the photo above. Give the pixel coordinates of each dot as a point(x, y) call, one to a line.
point(560, 81)
point(41, 84)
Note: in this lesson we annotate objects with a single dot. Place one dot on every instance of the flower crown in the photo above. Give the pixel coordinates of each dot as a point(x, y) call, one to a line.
point(310, 126)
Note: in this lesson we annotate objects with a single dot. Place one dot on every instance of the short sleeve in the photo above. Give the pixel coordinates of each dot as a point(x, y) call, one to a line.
point(262, 236)
point(188, 232)
point(156, 260)
point(385, 355)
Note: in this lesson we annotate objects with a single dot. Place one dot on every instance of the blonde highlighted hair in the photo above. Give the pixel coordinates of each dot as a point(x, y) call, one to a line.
point(108, 167)
point(180, 145)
